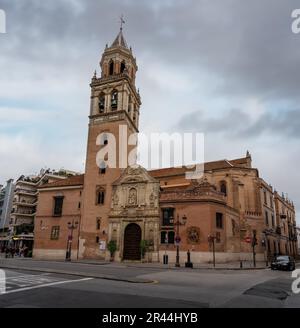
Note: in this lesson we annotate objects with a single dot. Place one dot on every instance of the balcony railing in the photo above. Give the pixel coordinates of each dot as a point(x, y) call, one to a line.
point(24, 229)
point(24, 213)
point(252, 213)
point(26, 191)
point(22, 203)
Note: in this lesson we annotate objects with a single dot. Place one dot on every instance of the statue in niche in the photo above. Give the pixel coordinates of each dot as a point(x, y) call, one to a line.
point(152, 199)
point(116, 199)
point(132, 198)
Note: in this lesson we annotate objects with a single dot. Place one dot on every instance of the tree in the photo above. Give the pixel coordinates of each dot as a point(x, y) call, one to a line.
point(112, 247)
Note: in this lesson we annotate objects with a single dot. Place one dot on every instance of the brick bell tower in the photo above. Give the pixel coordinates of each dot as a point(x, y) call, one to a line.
point(114, 111)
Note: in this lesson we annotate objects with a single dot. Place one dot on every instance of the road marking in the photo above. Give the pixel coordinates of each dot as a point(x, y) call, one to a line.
point(46, 285)
point(28, 280)
point(26, 276)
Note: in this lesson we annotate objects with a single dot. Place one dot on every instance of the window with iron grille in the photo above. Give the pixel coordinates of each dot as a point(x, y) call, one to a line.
point(267, 218)
point(223, 188)
point(167, 237)
point(100, 197)
point(58, 205)
point(55, 233)
point(167, 216)
point(219, 220)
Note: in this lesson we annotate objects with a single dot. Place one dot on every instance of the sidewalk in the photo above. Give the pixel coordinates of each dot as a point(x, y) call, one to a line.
point(202, 266)
point(246, 265)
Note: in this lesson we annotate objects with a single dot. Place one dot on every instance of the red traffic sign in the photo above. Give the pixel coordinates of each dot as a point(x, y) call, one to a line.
point(248, 240)
point(177, 240)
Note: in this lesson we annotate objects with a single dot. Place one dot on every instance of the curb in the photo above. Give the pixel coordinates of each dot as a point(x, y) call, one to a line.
point(79, 274)
point(204, 268)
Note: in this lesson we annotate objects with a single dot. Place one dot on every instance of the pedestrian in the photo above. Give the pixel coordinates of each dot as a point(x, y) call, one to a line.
point(25, 251)
point(12, 251)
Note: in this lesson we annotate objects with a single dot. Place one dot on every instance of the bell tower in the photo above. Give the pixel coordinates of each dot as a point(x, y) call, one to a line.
point(114, 111)
point(115, 91)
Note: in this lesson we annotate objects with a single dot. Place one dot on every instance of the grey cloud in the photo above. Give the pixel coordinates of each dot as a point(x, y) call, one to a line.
point(248, 47)
point(237, 123)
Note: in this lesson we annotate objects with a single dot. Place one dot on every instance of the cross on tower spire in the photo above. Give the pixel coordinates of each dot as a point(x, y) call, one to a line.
point(122, 21)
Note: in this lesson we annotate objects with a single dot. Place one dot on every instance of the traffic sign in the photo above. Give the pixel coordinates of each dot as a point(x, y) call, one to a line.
point(177, 240)
point(248, 240)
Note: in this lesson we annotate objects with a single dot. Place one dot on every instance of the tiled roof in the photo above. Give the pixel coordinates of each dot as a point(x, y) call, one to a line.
point(76, 180)
point(209, 166)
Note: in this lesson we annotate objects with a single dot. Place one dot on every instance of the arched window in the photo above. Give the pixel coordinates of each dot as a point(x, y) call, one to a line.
point(114, 100)
point(102, 103)
point(98, 224)
point(129, 103)
point(111, 68)
point(100, 196)
point(123, 66)
point(223, 188)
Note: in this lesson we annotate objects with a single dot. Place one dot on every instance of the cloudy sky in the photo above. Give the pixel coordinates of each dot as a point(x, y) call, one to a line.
point(227, 68)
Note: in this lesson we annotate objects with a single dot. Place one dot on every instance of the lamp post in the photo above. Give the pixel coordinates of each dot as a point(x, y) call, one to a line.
point(178, 223)
point(254, 243)
point(211, 240)
point(71, 226)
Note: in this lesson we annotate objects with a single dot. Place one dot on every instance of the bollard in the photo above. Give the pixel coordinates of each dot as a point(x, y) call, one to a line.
point(166, 259)
point(188, 264)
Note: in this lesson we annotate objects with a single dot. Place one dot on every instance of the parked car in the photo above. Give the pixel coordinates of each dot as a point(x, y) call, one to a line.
point(283, 262)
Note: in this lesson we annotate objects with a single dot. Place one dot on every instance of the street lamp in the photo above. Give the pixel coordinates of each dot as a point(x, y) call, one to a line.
point(253, 244)
point(178, 223)
point(71, 226)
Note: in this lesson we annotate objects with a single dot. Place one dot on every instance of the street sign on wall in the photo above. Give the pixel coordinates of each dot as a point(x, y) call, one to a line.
point(102, 245)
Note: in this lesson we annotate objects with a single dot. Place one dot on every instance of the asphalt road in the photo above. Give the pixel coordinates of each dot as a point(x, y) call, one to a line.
point(169, 289)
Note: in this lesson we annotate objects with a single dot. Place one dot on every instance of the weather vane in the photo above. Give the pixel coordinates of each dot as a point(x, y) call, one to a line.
point(122, 21)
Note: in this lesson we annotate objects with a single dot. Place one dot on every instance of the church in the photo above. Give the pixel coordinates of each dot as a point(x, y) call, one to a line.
point(231, 210)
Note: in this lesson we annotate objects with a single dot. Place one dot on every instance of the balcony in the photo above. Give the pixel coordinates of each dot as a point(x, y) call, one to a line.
point(24, 229)
point(253, 214)
point(24, 213)
point(26, 192)
point(25, 204)
point(282, 216)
